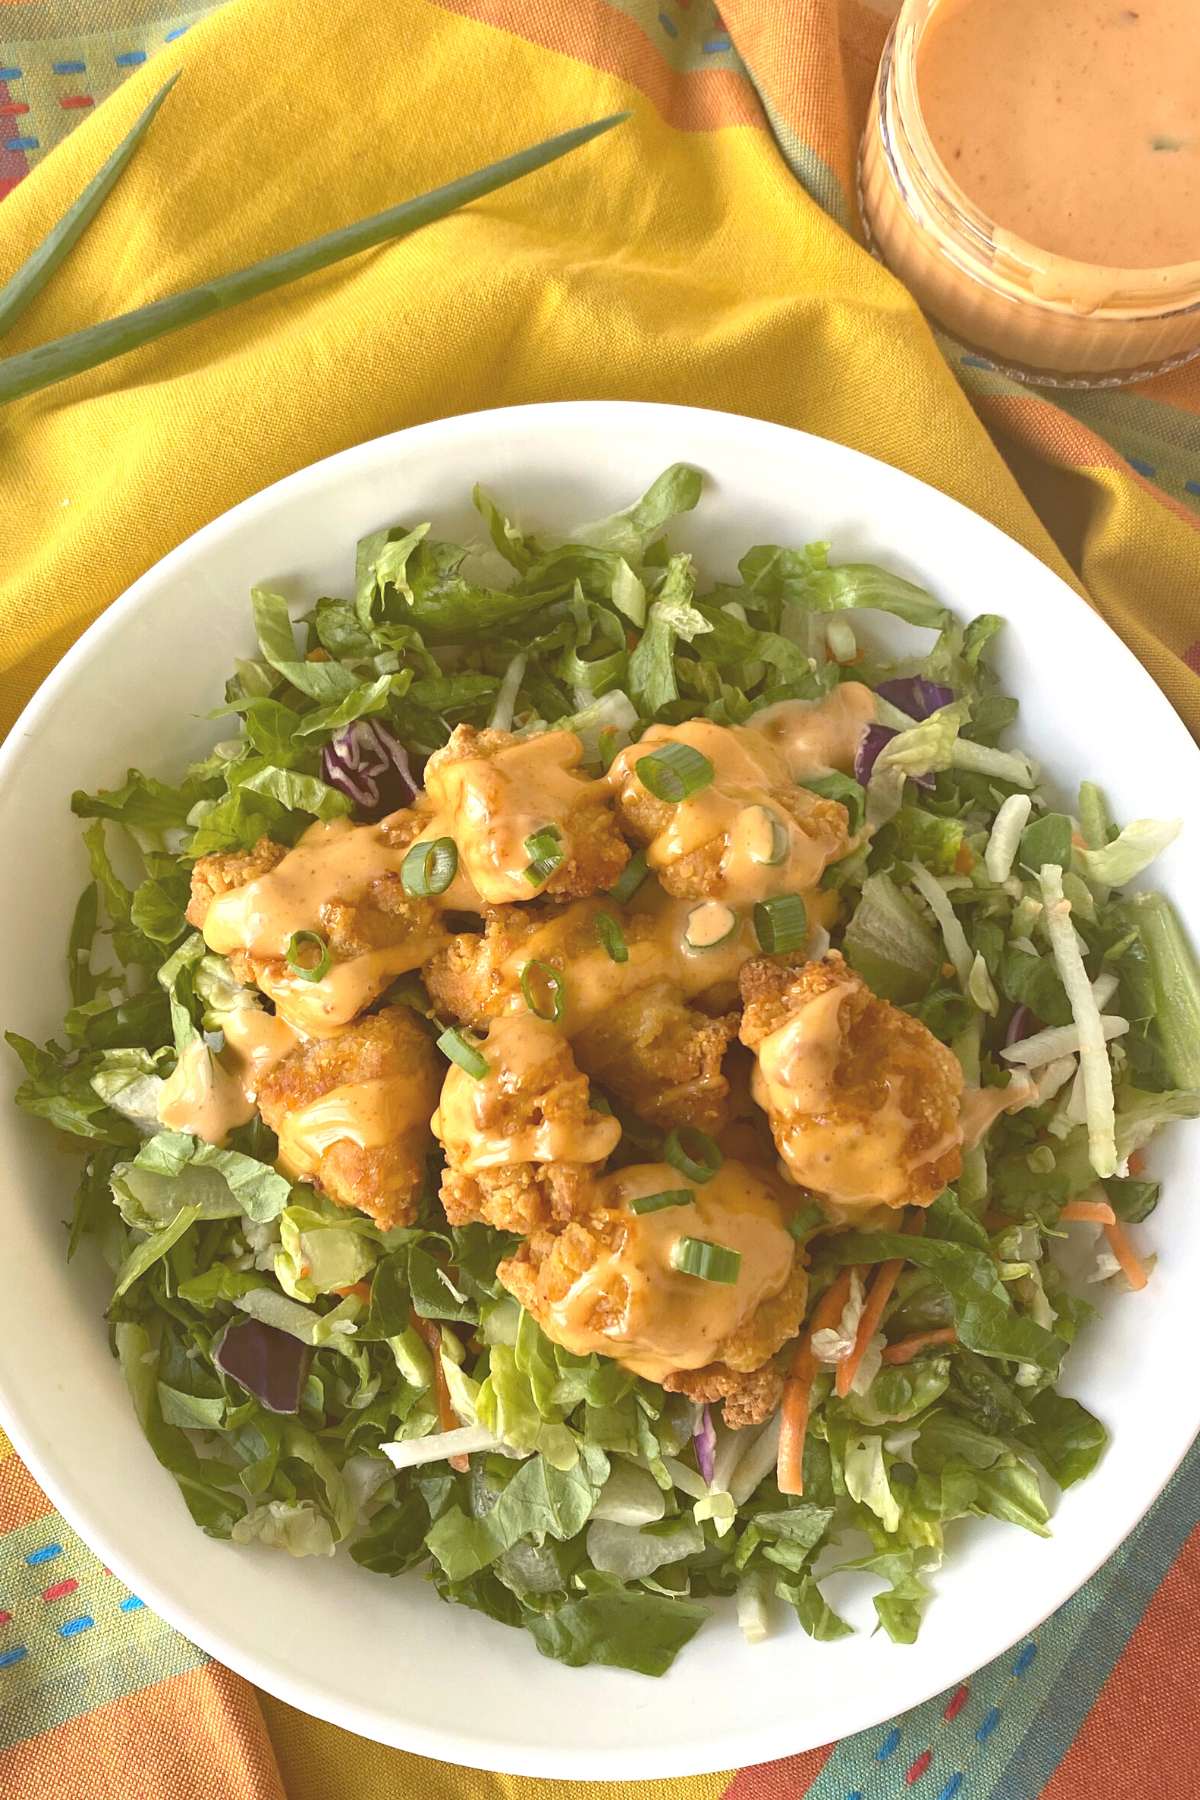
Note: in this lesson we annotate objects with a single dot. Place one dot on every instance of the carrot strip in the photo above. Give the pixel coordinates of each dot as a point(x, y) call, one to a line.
point(886, 1277)
point(797, 1389)
point(361, 1288)
point(906, 1348)
point(1131, 1264)
point(1137, 1162)
point(1097, 1212)
point(430, 1331)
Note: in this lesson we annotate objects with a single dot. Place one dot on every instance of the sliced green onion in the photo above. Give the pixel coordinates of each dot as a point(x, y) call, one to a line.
point(459, 1048)
point(674, 771)
point(806, 1221)
point(781, 923)
point(630, 879)
point(692, 1152)
point(33, 274)
point(555, 991)
point(710, 1262)
point(429, 867)
point(612, 937)
point(299, 955)
point(709, 924)
point(546, 850)
point(651, 1203)
point(45, 364)
point(767, 837)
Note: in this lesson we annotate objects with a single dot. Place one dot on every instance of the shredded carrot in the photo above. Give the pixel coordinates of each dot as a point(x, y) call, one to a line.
point(886, 1277)
point(1098, 1212)
point(1131, 1264)
point(1137, 1162)
point(797, 1389)
point(447, 1417)
point(361, 1288)
point(964, 860)
point(906, 1348)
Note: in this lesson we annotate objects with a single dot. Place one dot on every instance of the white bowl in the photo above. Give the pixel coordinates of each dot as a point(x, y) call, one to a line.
point(387, 1658)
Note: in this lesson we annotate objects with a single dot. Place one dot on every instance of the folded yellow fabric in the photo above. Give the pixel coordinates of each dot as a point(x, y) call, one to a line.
point(680, 258)
point(671, 260)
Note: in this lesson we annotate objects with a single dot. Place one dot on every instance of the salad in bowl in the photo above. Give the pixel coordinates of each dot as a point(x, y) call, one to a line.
point(610, 1089)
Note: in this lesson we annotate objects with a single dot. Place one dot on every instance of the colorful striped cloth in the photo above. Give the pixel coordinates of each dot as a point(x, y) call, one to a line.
point(684, 263)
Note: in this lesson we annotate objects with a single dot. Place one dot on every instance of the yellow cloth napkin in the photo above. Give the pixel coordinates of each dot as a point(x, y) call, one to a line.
point(677, 259)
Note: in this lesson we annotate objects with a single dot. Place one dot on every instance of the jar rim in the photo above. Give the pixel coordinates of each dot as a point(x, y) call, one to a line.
point(977, 241)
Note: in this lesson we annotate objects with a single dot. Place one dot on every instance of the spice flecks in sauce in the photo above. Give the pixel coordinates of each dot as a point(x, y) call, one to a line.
point(1073, 124)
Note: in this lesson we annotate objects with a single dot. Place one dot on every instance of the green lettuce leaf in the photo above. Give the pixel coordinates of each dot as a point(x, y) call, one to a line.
point(623, 1630)
point(537, 1503)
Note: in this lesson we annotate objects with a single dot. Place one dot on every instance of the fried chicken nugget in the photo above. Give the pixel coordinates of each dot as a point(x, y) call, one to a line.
point(330, 883)
point(863, 1100)
point(630, 1028)
point(609, 1281)
point(352, 1113)
point(523, 1141)
point(748, 832)
point(661, 1058)
point(496, 792)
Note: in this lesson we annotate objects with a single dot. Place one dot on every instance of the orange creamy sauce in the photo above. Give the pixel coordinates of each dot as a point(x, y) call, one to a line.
point(634, 1305)
point(1074, 124)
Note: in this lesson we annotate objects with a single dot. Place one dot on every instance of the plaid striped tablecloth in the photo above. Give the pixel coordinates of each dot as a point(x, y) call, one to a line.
point(99, 1700)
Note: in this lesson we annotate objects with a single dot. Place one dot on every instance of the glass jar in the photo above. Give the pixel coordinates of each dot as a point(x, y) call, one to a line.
point(1040, 317)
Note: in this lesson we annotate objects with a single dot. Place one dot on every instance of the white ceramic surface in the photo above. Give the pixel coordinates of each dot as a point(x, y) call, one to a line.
point(386, 1658)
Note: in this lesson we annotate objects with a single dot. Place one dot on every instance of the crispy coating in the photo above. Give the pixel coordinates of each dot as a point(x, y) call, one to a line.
point(228, 869)
point(661, 1058)
point(485, 802)
point(381, 1178)
point(381, 918)
point(532, 1102)
point(746, 1378)
point(863, 1100)
point(747, 1398)
point(549, 1263)
point(471, 979)
point(699, 875)
point(743, 1374)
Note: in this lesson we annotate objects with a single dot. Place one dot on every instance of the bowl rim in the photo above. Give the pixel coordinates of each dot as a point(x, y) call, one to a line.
point(735, 1749)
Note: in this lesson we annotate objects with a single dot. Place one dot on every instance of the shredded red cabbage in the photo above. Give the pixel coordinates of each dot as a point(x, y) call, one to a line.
point(705, 1440)
point(1023, 1024)
point(867, 754)
point(368, 764)
point(916, 696)
point(269, 1363)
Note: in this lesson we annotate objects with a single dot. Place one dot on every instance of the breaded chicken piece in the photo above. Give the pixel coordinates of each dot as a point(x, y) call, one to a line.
point(522, 1142)
point(630, 1028)
point(352, 1113)
point(746, 1399)
point(495, 791)
point(474, 978)
point(661, 1058)
point(863, 1100)
point(745, 833)
point(219, 874)
point(373, 925)
point(746, 1377)
point(228, 869)
point(709, 872)
point(609, 1281)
